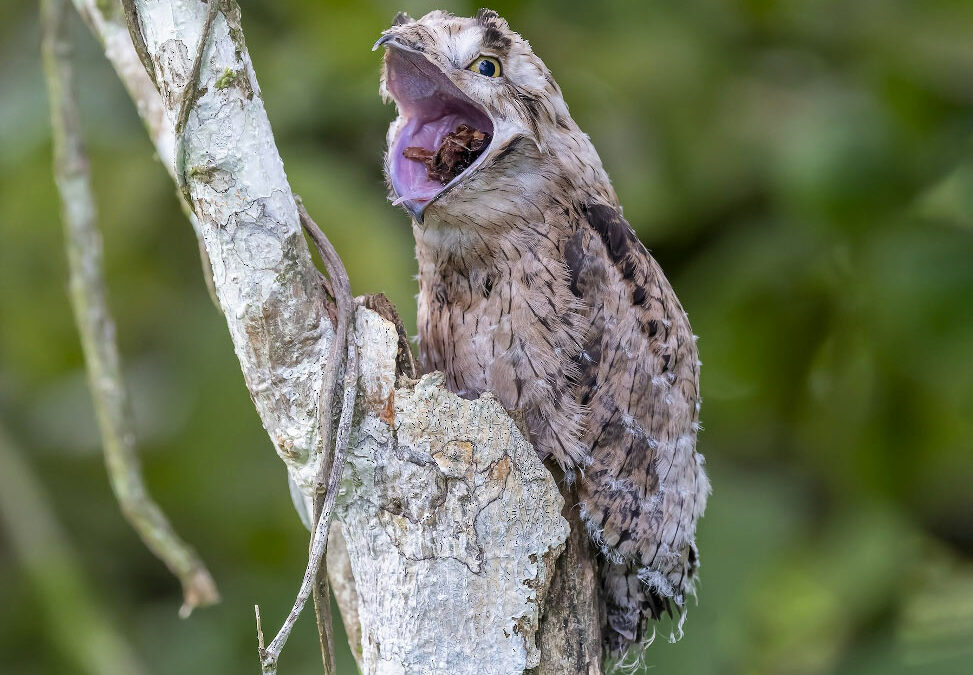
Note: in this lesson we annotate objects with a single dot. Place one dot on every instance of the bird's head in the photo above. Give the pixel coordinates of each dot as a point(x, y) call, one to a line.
point(444, 71)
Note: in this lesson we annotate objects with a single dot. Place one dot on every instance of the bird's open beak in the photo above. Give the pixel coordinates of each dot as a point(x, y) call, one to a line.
point(430, 107)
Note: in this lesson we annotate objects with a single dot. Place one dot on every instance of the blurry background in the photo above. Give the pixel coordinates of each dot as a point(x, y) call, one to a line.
point(804, 172)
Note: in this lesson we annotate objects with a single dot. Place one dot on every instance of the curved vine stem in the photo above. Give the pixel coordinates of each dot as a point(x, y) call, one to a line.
point(330, 463)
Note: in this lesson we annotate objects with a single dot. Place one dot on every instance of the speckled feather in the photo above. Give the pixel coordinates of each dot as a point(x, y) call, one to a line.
point(534, 287)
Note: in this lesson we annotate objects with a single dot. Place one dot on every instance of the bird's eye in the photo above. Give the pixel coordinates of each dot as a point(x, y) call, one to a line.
point(485, 65)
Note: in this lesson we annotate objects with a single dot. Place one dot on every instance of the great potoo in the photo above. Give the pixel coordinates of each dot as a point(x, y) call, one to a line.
point(533, 286)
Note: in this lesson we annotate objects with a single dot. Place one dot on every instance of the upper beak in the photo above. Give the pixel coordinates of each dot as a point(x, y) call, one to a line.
point(388, 37)
point(417, 209)
point(396, 42)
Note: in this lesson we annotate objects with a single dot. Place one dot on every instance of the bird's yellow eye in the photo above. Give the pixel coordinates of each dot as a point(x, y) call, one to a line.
point(485, 65)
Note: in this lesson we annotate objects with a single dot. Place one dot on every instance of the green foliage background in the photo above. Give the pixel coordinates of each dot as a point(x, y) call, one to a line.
point(803, 171)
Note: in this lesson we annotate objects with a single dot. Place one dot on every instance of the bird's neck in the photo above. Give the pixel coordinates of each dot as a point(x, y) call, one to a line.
point(524, 212)
point(448, 250)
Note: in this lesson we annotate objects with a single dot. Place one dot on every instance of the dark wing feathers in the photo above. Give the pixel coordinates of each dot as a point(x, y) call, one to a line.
point(644, 487)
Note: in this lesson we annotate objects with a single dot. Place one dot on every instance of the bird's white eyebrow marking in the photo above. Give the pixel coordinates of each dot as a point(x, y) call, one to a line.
point(466, 46)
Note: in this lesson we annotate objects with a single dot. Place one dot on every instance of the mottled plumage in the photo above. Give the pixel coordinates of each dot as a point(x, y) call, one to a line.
point(534, 287)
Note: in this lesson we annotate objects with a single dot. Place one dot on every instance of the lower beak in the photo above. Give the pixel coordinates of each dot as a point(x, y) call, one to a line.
point(416, 208)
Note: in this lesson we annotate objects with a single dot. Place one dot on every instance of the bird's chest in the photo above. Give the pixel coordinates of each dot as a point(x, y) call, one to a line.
point(501, 320)
point(465, 330)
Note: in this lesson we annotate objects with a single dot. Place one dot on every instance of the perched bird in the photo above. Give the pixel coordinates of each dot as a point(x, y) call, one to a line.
point(533, 286)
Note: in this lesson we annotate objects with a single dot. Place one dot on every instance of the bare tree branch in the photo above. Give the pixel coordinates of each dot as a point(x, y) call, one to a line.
point(342, 582)
point(329, 461)
point(319, 542)
point(330, 464)
point(322, 615)
point(96, 326)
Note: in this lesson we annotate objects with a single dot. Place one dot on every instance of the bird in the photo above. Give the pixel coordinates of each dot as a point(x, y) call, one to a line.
point(534, 287)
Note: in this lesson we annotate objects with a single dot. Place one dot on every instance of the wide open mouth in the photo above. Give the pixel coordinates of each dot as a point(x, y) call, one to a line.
point(433, 107)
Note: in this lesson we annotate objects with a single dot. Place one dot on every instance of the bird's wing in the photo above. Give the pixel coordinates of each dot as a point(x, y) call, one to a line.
point(644, 488)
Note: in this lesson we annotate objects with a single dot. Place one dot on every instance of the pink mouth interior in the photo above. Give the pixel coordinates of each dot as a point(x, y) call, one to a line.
point(433, 107)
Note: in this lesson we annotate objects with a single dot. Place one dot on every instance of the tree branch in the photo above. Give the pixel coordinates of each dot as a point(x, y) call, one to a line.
point(342, 583)
point(97, 328)
point(319, 541)
point(330, 464)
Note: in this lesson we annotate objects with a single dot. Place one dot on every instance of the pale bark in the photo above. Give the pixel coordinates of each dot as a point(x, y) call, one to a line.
point(453, 526)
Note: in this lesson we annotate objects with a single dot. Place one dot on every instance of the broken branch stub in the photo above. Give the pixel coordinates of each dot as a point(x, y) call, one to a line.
point(452, 524)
